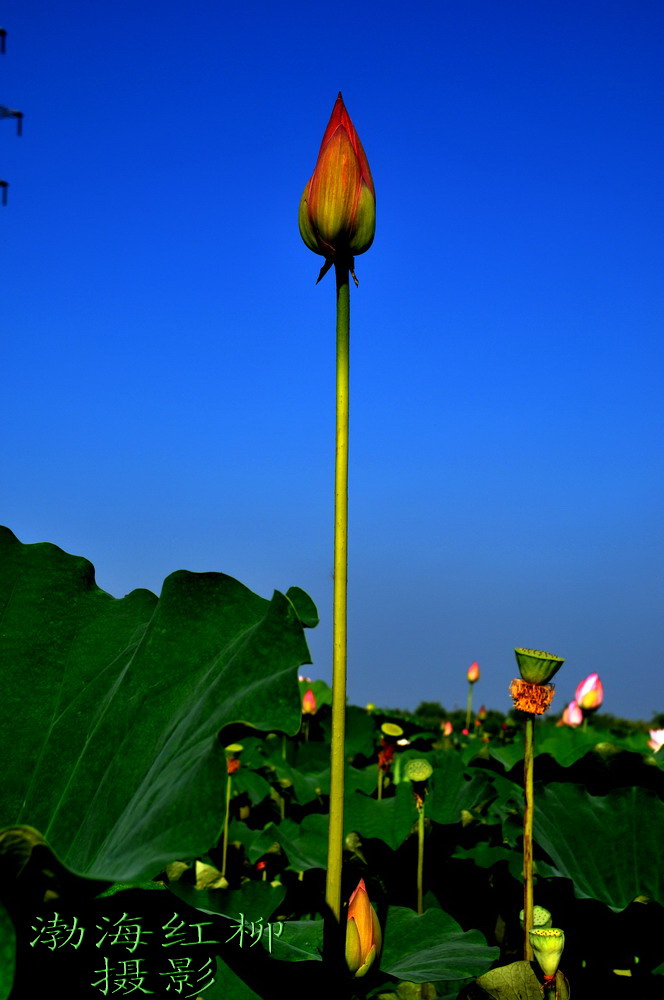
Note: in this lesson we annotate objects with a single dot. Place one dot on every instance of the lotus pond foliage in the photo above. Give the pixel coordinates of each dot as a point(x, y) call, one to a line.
point(205, 775)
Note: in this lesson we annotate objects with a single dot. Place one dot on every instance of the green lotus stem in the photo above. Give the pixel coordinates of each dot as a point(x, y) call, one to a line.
point(469, 706)
point(380, 782)
point(339, 624)
point(529, 805)
point(420, 853)
point(224, 849)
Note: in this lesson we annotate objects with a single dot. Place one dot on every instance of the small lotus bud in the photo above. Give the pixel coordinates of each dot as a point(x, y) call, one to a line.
point(547, 944)
point(309, 706)
point(590, 693)
point(656, 741)
point(537, 667)
point(572, 715)
point(473, 673)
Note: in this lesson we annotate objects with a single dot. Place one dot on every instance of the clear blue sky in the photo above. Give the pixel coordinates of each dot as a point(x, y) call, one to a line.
point(168, 362)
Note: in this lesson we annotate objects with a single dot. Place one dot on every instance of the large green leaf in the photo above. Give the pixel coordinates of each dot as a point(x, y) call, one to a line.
point(564, 744)
point(111, 708)
point(305, 843)
point(254, 900)
point(7, 953)
point(300, 941)
point(517, 981)
point(452, 791)
point(391, 819)
point(431, 947)
point(609, 845)
point(228, 985)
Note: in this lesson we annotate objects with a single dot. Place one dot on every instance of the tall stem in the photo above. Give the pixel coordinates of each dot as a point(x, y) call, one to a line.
point(420, 853)
point(469, 706)
point(224, 849)
point(528, 838)
point(339, 627)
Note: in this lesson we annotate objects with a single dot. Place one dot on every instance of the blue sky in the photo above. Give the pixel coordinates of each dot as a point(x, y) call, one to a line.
point(168, 362)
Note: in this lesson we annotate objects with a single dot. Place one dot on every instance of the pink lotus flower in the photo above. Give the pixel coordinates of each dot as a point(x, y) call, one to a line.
point(656, 741)
point(447, 728)
point(572, 715)
point(590, 693)
point(473, 672)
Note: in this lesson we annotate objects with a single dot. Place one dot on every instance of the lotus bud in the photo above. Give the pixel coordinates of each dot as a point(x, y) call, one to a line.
point(337, 214)
point(590, 693)
point(447, 728)
point(309, 706)
point(656, 741)
point(537, 667)
point(473, 673)
point(547, 944)
point(572, 715)
point(363, 933)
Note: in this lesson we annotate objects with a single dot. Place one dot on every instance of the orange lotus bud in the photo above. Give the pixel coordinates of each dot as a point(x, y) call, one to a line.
point(363, 934)
point(473, 672)
point(337, 214)
point(590, 693)
point(309, 706)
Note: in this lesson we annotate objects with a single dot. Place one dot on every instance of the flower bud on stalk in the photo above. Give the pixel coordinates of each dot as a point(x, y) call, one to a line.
point(363, 933)
point(337, 215)
point(656, 741)
point(309, 705)
point(590, 693)
point(572, 715)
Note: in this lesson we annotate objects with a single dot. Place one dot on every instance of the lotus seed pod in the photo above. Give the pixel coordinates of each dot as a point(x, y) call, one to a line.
point(537, 667)
point(541, 917)
point(419, 769)
point(547, 944)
